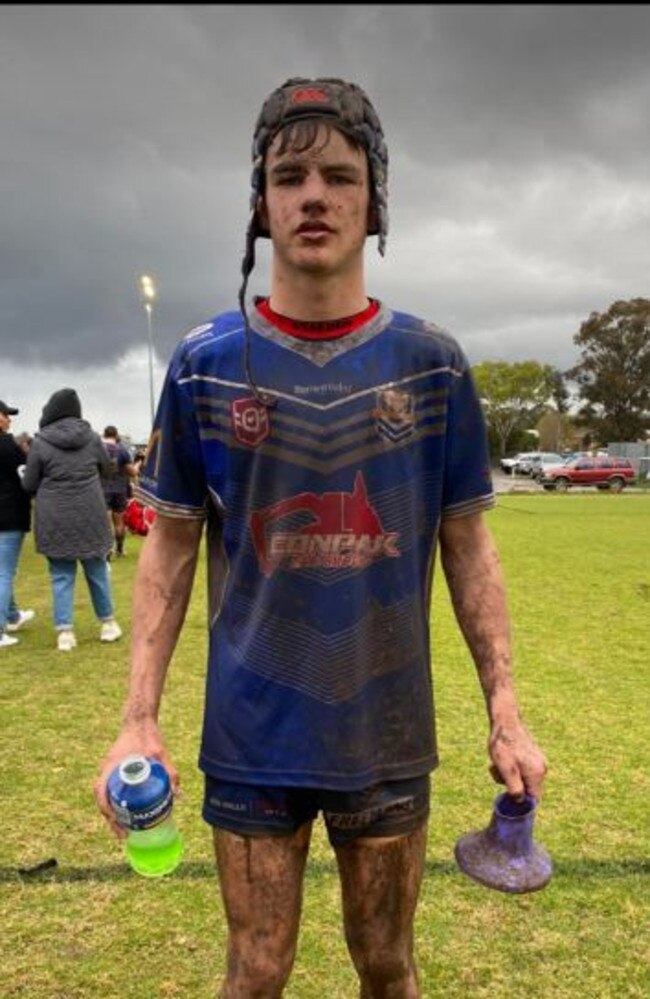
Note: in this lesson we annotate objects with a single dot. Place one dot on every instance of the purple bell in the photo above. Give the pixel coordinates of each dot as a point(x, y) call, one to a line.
point(503, 856)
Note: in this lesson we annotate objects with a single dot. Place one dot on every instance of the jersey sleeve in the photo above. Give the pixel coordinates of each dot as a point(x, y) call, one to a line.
point(467, 484)
point(172, 478)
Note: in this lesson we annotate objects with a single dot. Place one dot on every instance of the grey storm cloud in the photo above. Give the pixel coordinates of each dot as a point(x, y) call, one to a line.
point(519, 149)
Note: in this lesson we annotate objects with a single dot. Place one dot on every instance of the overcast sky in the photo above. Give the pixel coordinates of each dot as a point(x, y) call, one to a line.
point(519, 176)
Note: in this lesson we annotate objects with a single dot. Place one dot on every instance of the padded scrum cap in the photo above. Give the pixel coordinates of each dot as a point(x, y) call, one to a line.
point(348, 107)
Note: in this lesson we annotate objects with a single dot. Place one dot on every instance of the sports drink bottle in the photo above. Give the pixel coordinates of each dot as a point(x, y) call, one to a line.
point(140, 794)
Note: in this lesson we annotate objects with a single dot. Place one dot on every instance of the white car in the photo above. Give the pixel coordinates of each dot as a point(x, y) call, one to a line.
point(537, 465)
point(512, 464)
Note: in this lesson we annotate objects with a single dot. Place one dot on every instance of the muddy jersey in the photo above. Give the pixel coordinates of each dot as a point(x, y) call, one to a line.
point(322, 516)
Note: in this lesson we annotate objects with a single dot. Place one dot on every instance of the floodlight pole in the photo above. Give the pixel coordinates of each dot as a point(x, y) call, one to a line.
point(148, 295)
point(149, 310)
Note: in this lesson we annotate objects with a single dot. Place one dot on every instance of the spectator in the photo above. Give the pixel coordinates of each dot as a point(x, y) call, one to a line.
point(62, 471)
point(24, 441)
point(116, 485)
point(14, 524)
point(139, 457)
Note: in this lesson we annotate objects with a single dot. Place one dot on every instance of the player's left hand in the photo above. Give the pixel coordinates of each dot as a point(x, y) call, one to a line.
point(517, 761)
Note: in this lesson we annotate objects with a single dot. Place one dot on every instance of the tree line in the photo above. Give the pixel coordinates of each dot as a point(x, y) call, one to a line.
point(611, 379)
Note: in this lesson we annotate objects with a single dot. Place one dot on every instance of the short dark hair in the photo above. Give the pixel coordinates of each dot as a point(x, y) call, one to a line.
point(110, 431)
point(299, 136)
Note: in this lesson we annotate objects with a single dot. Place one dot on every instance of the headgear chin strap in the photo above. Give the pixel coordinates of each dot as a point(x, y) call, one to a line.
point(344, 105)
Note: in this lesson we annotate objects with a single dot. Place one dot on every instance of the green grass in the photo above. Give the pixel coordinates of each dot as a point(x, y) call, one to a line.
point(578, 575)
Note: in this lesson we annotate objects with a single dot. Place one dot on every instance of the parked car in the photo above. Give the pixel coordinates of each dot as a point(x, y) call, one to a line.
point(601, 471)
point(513, 463)
point(537, 465)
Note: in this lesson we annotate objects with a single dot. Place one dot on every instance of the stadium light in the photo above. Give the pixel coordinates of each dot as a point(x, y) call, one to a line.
point(148, 294)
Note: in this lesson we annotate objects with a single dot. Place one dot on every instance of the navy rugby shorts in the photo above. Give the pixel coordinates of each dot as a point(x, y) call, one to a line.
point(391, 808)
point(116, 502)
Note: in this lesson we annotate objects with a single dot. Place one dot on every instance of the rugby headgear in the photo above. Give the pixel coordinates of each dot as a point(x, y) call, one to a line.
point(347, 107)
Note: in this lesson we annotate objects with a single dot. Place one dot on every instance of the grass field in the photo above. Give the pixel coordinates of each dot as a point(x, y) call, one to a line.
point(578, 575)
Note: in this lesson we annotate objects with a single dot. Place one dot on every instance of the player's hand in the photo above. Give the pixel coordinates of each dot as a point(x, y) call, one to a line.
point(144, 739)
point(517, 761)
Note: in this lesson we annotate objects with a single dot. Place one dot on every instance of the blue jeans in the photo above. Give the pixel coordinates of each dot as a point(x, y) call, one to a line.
point(10, 545)
point(14, 611)
point(63, 572)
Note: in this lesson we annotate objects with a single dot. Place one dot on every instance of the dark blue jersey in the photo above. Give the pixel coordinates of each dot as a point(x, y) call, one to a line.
point(115, 478)
point(323, 514)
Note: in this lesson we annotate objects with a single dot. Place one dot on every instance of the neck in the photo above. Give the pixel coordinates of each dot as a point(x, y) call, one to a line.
point(317, 297)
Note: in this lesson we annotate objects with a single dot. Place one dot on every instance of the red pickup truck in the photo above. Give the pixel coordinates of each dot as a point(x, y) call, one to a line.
point(602, 472)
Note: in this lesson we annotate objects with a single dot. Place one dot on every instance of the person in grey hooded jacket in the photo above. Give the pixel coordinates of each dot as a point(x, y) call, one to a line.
point(63, 473)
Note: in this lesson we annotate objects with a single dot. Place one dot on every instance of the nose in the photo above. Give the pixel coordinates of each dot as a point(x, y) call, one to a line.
point(314, 191)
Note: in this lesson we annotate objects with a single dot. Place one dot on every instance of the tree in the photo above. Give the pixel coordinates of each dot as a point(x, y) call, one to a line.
point(513, 396)
point(613, 375)
point(559, 391)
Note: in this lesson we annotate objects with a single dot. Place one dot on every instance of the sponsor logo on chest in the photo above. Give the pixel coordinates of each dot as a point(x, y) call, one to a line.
point(336, 530)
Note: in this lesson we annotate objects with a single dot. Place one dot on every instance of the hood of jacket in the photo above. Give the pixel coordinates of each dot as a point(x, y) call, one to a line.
point(68, 434)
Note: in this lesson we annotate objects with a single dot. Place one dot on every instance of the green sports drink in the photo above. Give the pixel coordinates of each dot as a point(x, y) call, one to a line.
point(155, 851)
point(140, 794)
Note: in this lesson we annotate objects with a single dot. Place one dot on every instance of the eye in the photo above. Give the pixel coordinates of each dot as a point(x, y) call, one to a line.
point(288, 180)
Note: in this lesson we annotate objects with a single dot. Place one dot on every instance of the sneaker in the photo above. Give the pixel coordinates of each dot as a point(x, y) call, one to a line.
point(110, 631)
point(23, 617)
point(66, 641)
point(6, 639)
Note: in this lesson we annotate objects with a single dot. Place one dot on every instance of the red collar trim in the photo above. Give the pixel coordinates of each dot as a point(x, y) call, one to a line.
point(329, 329)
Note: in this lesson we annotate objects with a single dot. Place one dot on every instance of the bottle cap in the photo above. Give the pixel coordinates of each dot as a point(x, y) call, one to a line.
point(134, 769)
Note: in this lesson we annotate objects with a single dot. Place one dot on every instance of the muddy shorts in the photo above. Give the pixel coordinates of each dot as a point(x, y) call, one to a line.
point(392, 808)
point(116, 502)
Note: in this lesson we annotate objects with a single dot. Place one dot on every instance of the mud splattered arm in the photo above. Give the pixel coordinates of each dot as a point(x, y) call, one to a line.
point(473, 571)
point(162, 589)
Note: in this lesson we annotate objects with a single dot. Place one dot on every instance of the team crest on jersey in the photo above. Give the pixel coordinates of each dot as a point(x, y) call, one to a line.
point(332, 531)
point(395, 414)
point(250, 421)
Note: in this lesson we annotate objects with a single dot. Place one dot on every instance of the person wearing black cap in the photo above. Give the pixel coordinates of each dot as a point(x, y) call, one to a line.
point(330, 443)
point(15, 516)
point(62, 472)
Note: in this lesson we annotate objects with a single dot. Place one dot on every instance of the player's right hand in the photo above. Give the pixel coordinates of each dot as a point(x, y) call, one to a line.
point(144, 739)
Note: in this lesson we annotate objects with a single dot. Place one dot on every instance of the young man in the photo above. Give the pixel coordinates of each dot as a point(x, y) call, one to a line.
point(116, 482)
point(329, 444)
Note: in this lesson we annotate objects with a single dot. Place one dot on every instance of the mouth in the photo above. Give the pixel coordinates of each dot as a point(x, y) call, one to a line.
point(313, 229)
